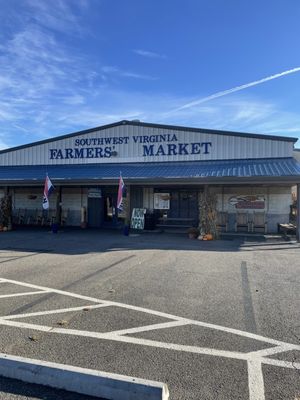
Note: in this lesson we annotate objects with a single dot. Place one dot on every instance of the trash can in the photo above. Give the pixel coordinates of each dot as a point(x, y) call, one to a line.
point(126, 230)
point(149, 221)
point(54, 228)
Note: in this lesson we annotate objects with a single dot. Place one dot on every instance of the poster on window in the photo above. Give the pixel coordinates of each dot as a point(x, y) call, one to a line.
point(161, 201)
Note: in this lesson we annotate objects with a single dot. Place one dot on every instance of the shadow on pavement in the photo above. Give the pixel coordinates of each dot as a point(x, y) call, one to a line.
point(9, 388)
point(77, 241)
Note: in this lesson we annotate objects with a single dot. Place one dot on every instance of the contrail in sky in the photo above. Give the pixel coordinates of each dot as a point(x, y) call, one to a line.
point(236, 89)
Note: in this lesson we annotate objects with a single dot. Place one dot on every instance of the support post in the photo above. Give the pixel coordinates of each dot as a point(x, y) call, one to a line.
point(58, 206)
point(127, 205)
point(298, 214)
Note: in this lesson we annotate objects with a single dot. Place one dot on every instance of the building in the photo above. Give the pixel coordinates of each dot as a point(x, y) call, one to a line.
point(167, 171)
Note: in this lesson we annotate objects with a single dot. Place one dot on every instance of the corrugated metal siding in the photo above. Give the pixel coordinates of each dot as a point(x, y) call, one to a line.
point(223, 147)
point(27, 209)
point(136, 198)
point(23, 198)
point(277, 203)
point(277, 199)
point(148, 199)
point(296, 154)
point(72, 200)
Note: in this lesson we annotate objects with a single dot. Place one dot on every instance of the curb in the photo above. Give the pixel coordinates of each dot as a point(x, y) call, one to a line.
point(81, 380)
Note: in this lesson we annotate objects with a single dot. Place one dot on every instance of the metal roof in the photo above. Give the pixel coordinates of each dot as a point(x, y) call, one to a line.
point(254, 168)
point(152, 125)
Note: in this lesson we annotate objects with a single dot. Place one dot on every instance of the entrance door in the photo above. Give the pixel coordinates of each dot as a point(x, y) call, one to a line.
point(188, 206)
point(95, 212)
point(184, 205)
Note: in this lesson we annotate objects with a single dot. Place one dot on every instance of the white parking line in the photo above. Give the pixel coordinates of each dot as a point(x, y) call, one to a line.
point(274, 350)
point(57, 311)
point(151, 327)
point(281, 363)
point(254, 359)
point(255, 380)
point(127, 339)
point(152, 343)
point(46, 289)
point(4, 296)
point(157, 313)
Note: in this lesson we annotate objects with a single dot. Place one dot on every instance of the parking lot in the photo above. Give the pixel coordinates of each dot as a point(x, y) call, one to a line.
point(213, 320)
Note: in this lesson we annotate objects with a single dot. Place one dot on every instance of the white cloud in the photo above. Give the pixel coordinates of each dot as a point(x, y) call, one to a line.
point(239, 113)
point(75, 99)
point(60, 16)
point(47, 88)
point(117, 72)
point(236, 89)
point(3, 145)
point(149, 54)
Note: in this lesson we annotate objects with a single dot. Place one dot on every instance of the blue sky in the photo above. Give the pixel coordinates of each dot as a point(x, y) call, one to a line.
point(67, 65)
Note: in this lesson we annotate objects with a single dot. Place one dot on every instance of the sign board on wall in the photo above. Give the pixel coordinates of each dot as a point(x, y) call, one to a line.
point(248, 202)
point(94, 193)
point(138, 218)
point(155, 146)
point(161, 201)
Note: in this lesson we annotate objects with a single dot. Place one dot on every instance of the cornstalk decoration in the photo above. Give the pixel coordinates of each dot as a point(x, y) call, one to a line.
point(126, 206)
point(5, 211)
point(208, 213)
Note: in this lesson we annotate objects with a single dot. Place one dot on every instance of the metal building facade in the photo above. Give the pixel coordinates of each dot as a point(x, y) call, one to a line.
point(155, 160)
point(139, 142)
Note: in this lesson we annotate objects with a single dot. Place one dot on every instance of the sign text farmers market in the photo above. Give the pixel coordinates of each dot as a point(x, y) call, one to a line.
point(151, 146)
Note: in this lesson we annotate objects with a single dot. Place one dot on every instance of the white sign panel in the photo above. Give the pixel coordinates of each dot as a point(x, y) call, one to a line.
point(138, 218)
point(94, 193)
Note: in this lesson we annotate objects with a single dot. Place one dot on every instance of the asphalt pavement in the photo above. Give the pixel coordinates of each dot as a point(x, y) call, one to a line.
point(213, 320)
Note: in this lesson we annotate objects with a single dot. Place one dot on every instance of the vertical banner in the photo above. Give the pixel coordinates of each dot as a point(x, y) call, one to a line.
point(48, 189)
point(121, 194)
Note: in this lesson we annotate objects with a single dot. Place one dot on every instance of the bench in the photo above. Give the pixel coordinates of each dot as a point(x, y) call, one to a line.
point(175, 222)
point(286, 228)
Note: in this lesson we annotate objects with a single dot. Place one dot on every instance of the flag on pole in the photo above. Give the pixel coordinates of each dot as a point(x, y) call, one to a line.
point(48, 189)
point(121, 194)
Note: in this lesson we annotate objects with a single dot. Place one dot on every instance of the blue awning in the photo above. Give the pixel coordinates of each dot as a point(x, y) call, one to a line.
point(254, 168)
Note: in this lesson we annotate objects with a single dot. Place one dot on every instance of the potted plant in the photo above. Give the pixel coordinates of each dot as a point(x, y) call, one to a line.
point(193, 233)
